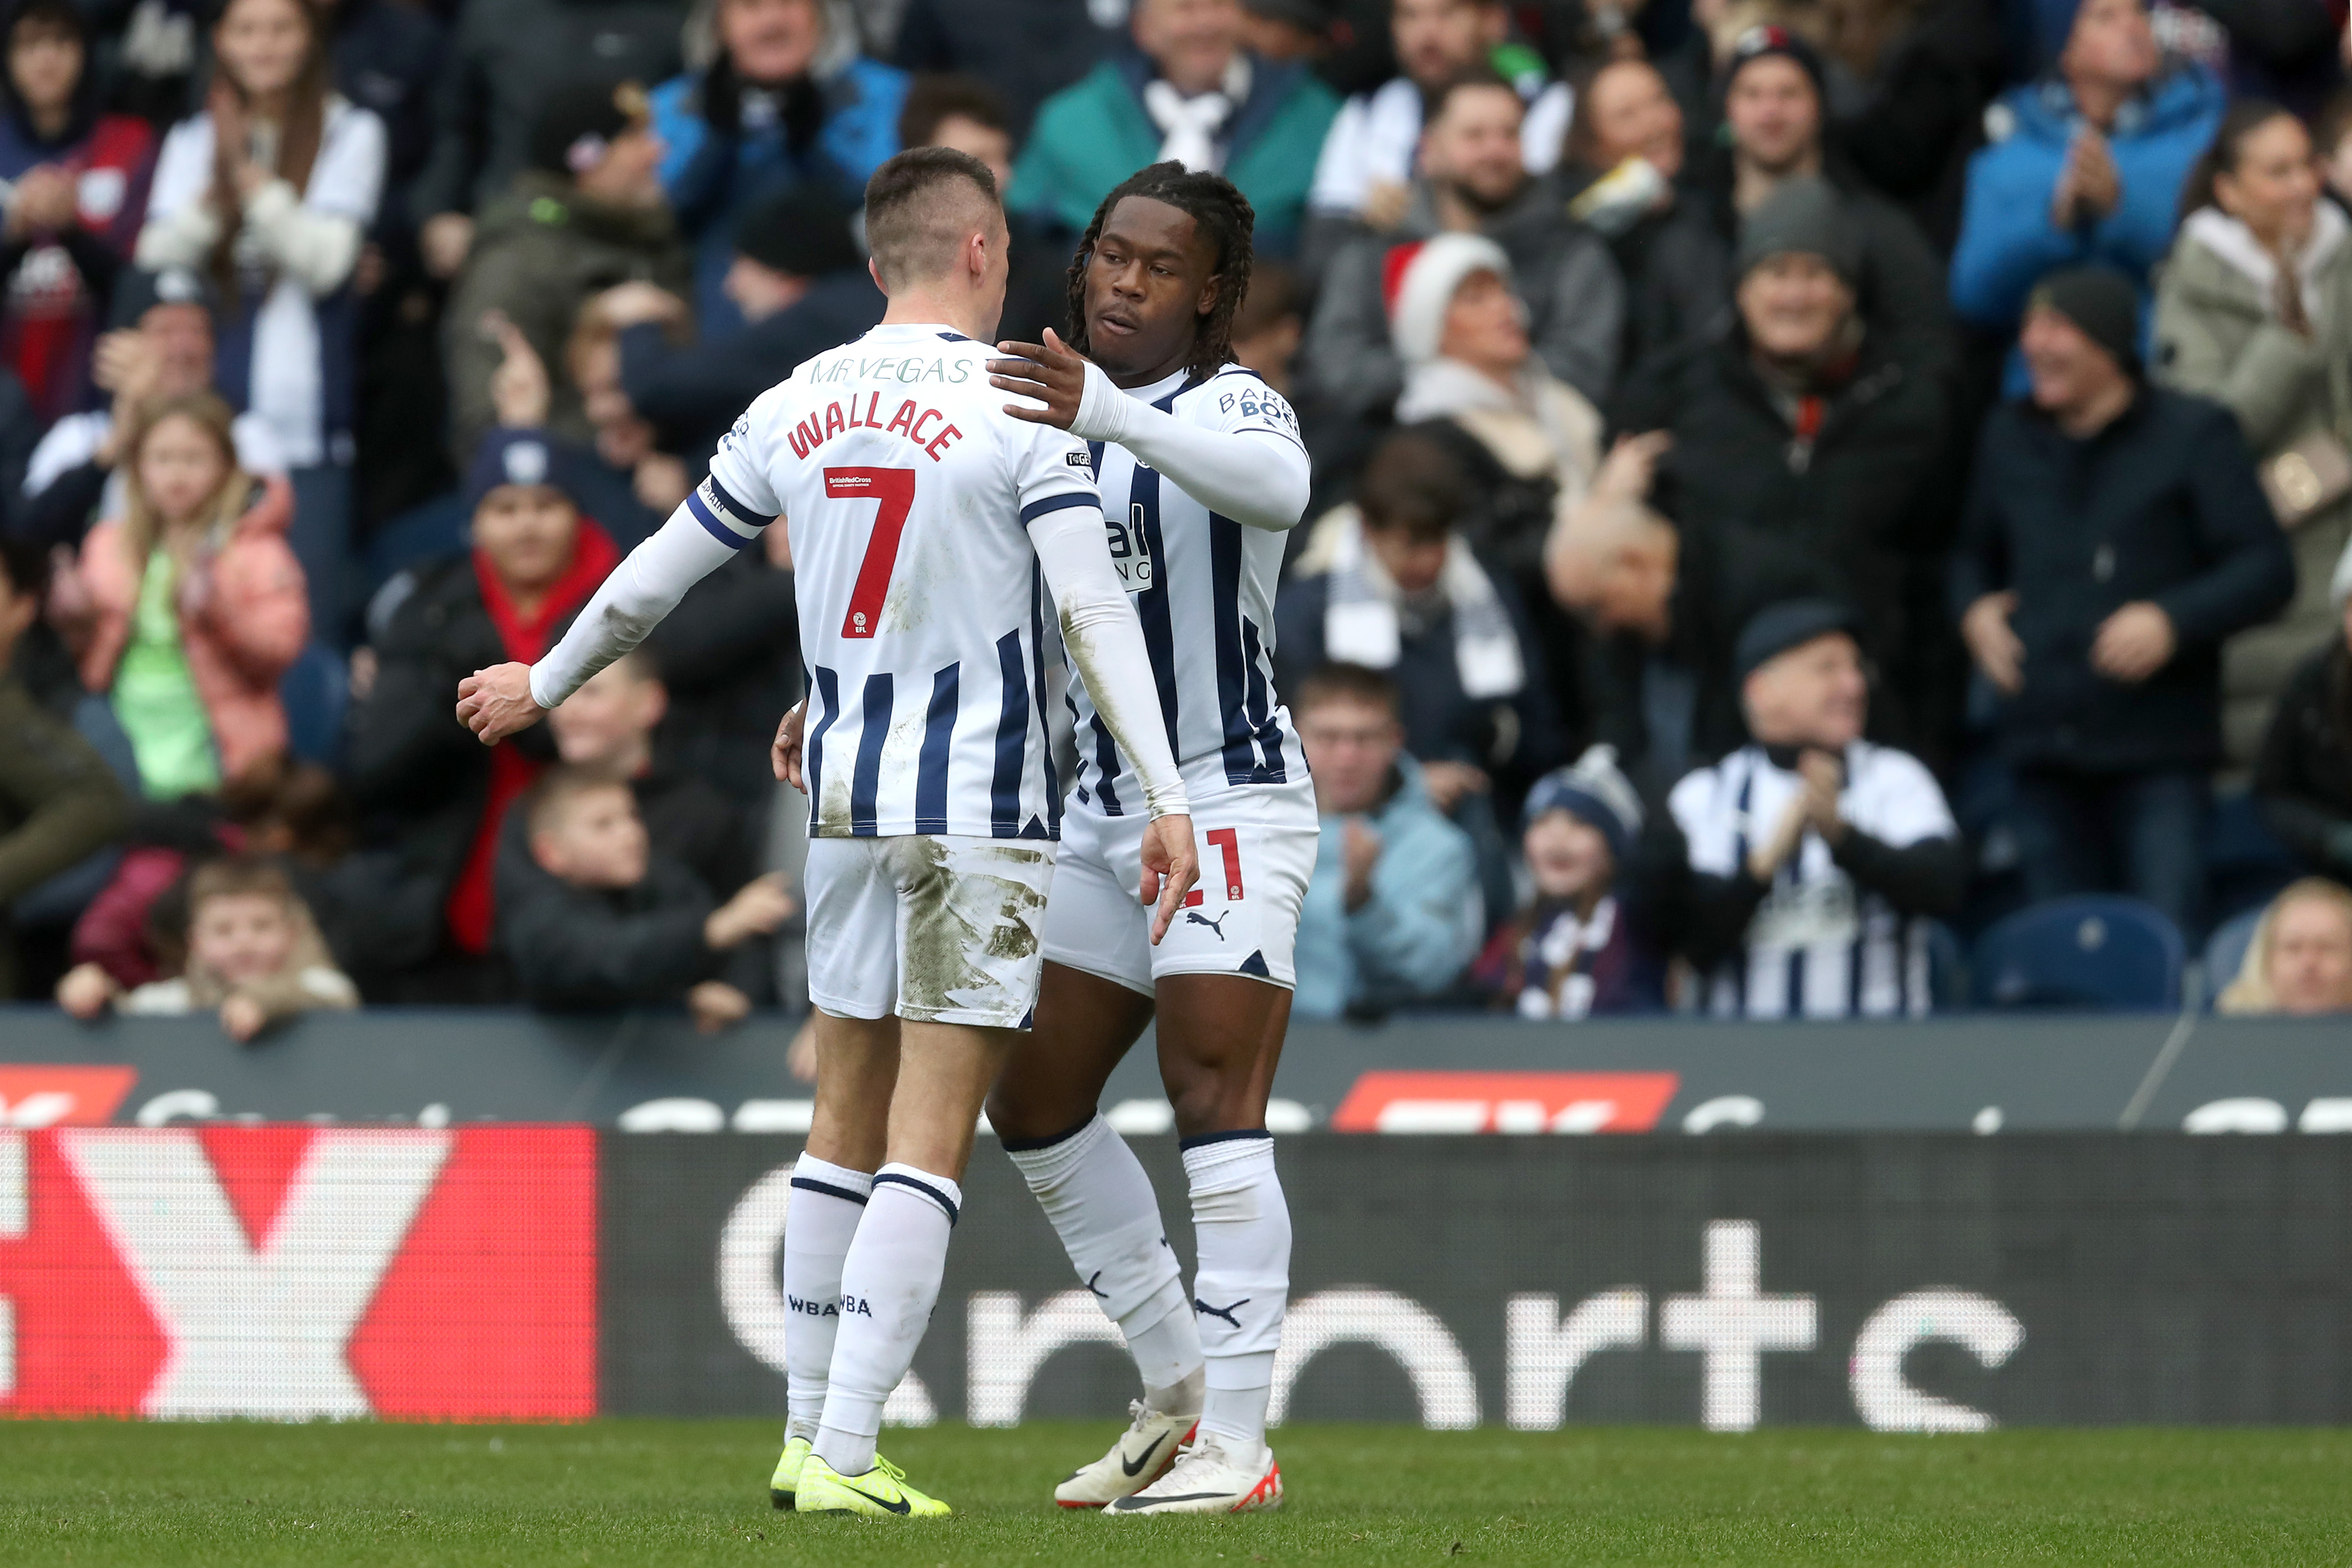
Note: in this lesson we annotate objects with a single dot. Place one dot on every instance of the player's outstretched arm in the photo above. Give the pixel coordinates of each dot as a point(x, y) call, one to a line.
point(642, 590)
point(1257, 475)
point(1105, 640)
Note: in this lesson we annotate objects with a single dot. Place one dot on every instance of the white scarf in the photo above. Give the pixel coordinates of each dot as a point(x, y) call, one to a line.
point(2235, 244)
point(1362, 626)
point(1192, 126)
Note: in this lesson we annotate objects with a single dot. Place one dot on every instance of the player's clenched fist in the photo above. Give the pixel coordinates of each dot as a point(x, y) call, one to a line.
point(1171, 866)
point(496, 702)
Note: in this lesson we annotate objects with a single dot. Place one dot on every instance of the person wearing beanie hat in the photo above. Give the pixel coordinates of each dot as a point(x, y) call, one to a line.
point(1579, 946)
point(1816, 858)
point(1473, 183)
point(2116, 534)
point(2304, 776)
point(1771, 41)
point(2083, 166)
point(1805, 423)
point(586, 215)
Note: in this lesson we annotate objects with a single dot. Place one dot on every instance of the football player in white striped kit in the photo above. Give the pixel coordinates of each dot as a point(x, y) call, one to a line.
point(927, 529)
point(1201, 472)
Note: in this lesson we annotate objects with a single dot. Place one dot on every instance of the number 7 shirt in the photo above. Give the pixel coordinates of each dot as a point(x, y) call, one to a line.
point(908, 492)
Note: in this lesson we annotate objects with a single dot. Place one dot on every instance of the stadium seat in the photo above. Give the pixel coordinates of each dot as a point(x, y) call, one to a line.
point(2096, 952)
point(315, 690)
point(2226, 950)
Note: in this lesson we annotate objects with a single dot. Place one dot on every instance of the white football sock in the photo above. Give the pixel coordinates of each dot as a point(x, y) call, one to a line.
point(1093, 1189)
point(827, 1203)
point(1242, 1226)
point(889, 1282)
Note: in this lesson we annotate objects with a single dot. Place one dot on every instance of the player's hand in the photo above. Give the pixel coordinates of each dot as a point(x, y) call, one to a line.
point(1051, 373)
point(1171, 866)
point(784, 752)
point(497, 703)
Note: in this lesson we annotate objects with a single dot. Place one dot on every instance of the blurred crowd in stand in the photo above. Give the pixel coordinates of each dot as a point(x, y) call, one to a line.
point(1816, 500)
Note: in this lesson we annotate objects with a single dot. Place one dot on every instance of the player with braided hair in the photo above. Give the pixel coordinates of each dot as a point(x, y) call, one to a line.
point(1202, 474)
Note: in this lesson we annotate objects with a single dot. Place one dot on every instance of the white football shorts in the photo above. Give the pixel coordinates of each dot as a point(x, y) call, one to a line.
point(1257, 851)
point(933, 927)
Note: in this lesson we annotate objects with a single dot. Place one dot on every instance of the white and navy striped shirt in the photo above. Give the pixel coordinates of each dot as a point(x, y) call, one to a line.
point(1204, 586)
point(1818, 948)
point(923, 611)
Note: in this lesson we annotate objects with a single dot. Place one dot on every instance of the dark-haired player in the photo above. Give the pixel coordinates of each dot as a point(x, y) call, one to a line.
point(927, 529)
point(1202, 474)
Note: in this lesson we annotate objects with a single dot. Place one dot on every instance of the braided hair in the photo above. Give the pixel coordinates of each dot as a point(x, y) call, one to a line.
point(1220, 212)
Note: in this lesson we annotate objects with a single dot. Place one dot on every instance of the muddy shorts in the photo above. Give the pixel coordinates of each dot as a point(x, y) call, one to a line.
point(930, 927)
point(1257, 852)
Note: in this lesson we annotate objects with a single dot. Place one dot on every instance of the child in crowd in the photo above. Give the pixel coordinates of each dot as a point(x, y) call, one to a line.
point(1577, 948)
point(253, 953)
point(187, 610)
point(613, 924)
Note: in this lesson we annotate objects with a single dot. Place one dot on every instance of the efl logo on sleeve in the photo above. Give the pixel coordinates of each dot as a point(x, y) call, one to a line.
point(1505, 1102)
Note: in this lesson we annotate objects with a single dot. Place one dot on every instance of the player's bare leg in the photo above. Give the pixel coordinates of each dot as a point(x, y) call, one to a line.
point(857, 1066)
point(890, 1279)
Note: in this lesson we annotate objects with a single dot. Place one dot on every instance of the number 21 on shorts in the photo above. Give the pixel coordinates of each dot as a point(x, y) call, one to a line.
point(893, 491)
point(1226, 840)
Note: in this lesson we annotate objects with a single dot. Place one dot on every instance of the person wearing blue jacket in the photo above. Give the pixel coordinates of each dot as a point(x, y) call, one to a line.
point(1393, 914)
point(2086, 166)
point(789, 98)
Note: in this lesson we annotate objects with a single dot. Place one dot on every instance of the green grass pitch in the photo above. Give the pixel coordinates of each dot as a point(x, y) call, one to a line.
point(674, 1493)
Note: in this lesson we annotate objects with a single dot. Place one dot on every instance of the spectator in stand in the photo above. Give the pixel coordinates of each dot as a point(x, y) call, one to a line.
point(2299, 964)
point(434, 799)
point(2084, 166)
point(2254, 311)
point(269, 191)
point(1664, 608)
point(1527, 443)
point(967, 115)
point(595, 919)
point(1579, 946)
point(1620, 176)
point(1388, 584)
point(1925, 74)
point(78, 187)
point(58, 801)
point(1364, 173)
point(2332, 136)
point(188, 608)
point(391, 57)
point(2115, 537)
point(731, 656)
point(1187, 92)
point(254, 954)
point(587, 214)
point(161, 349)
point(1801, 422)
point(2304, 776)
point(789, 100)
point(1816, 858)
point(1393, 914)
point(1472, 182)
point(1773, 109)
point(1027, 50)
point(687, 820)
point(799, 283)
point(507, 59)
